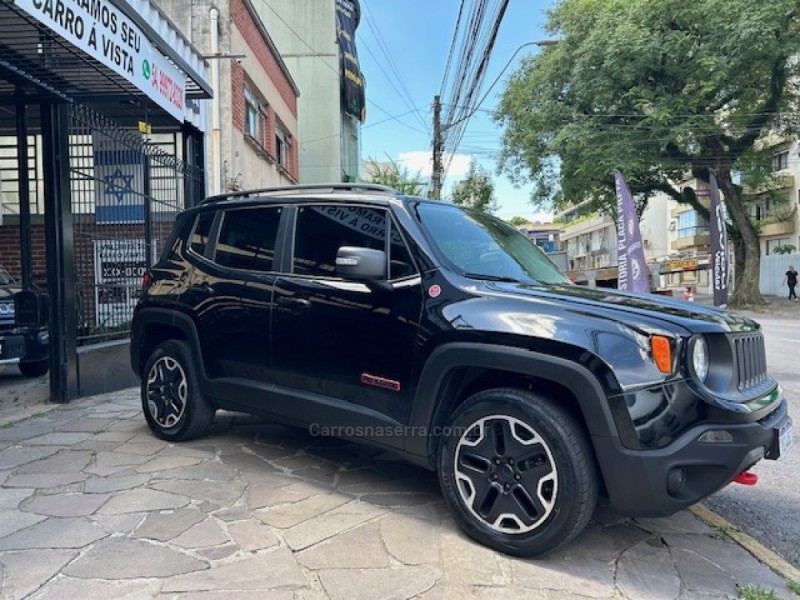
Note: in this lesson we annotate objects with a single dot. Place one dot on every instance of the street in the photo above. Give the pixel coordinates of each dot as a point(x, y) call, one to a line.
point(92, 505)
point(768, 510)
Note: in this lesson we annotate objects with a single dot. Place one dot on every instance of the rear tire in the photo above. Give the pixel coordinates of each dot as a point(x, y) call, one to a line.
point(518, 472)
point(173, 405)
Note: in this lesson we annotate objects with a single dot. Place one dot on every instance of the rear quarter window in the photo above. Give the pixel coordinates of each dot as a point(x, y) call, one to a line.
point(198, 240)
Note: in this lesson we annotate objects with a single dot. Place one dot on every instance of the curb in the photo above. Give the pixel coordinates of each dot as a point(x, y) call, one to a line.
point(754, 547)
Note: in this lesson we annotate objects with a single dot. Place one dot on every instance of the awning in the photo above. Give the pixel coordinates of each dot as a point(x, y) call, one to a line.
point(97, 51)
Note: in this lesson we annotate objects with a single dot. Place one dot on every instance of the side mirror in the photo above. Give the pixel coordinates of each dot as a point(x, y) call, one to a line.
point(361, 264)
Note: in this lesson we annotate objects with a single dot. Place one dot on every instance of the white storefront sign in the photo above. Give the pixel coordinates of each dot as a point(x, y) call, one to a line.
point(119, 268)
point(103, 31)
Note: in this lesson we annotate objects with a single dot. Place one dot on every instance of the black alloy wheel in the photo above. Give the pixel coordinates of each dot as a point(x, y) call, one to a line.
point(173, 405)
point(518, 472)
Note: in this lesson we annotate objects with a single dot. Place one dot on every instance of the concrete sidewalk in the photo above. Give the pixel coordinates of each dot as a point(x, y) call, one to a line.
point(93, 506)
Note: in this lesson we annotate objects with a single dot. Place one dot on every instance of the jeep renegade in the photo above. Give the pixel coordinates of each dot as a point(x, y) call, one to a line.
point(447, 336)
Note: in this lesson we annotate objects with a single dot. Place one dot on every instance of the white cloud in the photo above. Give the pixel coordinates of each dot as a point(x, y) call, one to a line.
point(421, 161)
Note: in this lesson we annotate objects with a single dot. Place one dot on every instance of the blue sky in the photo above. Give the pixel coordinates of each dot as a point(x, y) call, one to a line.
point(416, 37)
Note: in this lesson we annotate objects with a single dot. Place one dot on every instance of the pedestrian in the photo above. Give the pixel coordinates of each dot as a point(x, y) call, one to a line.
point(688, 294)
point(791, 280)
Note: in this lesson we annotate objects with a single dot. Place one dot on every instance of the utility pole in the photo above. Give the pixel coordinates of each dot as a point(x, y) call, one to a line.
point(436, 173)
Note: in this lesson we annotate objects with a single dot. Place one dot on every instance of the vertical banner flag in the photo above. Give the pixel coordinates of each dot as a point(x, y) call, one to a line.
point(719, 247)
point(348, 15)
point(119, 183)
point(633, 274)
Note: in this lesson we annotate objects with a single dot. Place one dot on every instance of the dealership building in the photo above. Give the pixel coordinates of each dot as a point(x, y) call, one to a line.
point(102, 121)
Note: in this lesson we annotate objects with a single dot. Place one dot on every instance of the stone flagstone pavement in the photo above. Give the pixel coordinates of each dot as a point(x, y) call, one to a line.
point(93, 506)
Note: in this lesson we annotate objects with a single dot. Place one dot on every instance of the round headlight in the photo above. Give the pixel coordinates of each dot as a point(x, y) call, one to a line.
point(700, 358)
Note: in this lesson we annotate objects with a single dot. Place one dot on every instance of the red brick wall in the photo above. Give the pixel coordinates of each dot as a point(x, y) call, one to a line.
point(237, 95)
point(84, 234)
point(245, 21)
point(10, 258)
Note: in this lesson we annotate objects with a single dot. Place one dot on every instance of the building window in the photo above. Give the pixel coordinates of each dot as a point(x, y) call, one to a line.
point(780, 161)
point(772, 244)
point(255, 116)
point(282, 146)
point(690, 224)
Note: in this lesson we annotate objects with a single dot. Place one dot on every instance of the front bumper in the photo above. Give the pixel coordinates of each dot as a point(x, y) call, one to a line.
point(660, 482)
point(22, 347)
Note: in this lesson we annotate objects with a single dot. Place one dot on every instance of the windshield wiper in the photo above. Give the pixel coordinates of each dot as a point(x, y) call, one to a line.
point(486, 277)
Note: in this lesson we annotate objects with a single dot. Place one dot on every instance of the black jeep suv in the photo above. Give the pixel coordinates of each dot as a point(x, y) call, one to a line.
point(446, 335)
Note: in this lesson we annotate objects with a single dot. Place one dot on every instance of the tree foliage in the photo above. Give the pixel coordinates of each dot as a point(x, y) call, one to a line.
point(476, 190)
point(395, 175)
point(661, 90)
point(784, 249)
point(518, 221)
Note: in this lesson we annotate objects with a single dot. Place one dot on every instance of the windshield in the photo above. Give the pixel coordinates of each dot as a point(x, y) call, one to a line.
point(5, 278)
point(484, 247)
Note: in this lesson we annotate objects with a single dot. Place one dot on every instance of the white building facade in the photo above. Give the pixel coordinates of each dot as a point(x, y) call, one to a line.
point(320, 55)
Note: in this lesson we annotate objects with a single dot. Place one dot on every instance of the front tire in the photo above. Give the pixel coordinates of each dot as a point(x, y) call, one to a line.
point(518, 472)
point(173, 405)
point(34, 369)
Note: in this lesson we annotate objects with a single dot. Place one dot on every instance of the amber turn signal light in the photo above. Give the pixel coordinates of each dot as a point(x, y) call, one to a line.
point(661, 348)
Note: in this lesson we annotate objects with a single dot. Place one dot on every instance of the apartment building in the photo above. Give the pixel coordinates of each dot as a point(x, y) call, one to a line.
point(317, 40)
point(590, 241)
point(253, 141)
point(775, 212)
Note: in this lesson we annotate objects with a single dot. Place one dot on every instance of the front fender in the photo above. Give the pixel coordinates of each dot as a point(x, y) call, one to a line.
point(593, 400)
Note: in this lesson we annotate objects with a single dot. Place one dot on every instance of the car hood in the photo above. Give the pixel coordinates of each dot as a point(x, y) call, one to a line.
point(627, 307)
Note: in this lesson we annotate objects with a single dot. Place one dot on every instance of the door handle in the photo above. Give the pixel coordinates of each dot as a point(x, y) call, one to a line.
point(202, 288)
point(293, 301)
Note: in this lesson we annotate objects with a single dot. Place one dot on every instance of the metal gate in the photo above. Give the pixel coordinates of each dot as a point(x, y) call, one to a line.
point(127, 188)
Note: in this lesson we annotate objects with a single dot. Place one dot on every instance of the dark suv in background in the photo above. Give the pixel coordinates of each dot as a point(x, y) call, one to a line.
point(21, 344)
point(447, 336)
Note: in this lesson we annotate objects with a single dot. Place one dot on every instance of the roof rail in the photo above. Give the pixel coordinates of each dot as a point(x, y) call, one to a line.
point(346, 187)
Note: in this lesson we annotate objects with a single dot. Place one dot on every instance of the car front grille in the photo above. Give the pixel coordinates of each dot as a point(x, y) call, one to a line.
point(751, 359)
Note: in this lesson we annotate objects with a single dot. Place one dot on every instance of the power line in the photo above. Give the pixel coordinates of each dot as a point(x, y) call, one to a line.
point(400, 95)
point(474, 37)
point(299, 37)
point(389, 118)
point(403, 90)
point(386, 112)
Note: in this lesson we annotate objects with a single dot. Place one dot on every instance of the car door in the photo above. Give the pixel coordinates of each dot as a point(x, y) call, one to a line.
point(245, 249)
point(209, 293)
point(230, 291)
point(345, 341)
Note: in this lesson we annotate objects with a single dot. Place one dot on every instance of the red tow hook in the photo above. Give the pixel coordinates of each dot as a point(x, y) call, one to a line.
point(746, 478)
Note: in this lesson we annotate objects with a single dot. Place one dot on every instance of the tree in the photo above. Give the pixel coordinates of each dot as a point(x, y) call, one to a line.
point(395, 176)
point(518, 221)
point(659, 90)
point(476, 190)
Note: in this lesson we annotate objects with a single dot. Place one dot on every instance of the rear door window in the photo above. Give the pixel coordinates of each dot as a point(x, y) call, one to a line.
point(247, 238)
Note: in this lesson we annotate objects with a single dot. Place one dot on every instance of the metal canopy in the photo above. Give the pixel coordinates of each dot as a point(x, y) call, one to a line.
point(36, 61)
